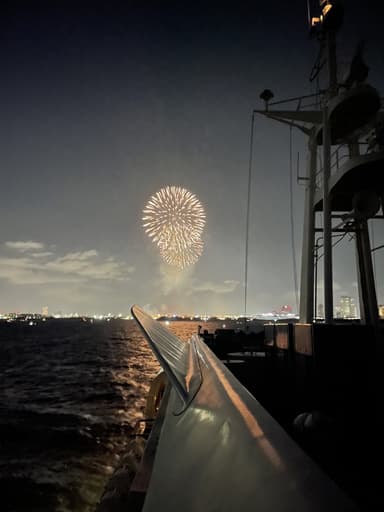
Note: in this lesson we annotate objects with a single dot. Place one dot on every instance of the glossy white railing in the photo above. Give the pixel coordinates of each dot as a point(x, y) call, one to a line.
point(222, 451)
point(177, 358)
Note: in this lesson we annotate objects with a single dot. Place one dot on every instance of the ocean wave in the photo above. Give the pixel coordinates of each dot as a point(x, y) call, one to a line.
point(71, 394)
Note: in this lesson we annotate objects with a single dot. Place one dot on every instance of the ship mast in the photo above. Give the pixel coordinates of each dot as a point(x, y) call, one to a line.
point(329, 29)
point(349, 185)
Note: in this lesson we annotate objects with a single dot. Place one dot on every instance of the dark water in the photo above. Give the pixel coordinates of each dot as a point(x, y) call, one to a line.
point(70, 393)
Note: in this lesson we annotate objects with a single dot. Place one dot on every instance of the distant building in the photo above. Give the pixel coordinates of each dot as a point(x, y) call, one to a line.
point(346, 308)
point(44, 311)
point(320, 311)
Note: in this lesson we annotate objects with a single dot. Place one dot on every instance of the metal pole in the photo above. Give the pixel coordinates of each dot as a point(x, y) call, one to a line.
point(327, 220)
point(332, 63)
point(315, 277)
point(307, 262)
point(327, 209)
point(369, 311)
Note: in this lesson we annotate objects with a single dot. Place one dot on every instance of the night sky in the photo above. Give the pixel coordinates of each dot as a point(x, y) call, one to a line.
point(104, 104)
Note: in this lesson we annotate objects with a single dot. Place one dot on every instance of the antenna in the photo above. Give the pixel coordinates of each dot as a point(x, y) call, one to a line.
point(309, 17)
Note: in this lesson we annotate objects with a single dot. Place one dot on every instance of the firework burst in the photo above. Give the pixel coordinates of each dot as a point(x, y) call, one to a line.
point(174, 255)
point(174, 219)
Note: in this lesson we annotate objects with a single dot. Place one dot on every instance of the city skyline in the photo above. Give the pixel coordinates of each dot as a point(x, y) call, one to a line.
point(103, 107)
point(345, 307)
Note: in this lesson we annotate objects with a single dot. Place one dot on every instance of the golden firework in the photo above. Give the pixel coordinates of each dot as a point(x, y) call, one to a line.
point(174, 219)
point(174, 255)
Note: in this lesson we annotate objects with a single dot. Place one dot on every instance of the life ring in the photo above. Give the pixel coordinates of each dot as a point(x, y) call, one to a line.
point(155, 394)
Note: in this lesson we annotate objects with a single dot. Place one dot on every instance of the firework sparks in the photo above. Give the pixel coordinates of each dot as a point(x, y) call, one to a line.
point(182, 258)
point(174, 219)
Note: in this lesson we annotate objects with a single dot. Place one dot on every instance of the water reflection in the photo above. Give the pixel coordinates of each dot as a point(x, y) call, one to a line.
point(71, 392)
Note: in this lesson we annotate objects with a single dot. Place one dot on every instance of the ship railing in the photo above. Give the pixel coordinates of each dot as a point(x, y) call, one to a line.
point(177, 358)
point(222, 451)
point(307, 102)
point(338, 158)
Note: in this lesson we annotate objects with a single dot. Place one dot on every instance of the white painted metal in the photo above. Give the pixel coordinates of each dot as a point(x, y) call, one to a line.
point(224, 452)
point(307, 264)
point(339, 174)
point(176, 357)
point(327, 220)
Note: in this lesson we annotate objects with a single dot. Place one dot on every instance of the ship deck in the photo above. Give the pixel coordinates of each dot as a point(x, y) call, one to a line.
point(329, 405)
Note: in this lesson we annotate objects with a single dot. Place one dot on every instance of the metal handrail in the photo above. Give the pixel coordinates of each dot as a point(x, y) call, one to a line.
point(336, 161)
point(225, 452)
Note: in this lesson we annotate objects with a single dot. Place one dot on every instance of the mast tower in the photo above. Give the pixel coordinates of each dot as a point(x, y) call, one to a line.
point(349, 188)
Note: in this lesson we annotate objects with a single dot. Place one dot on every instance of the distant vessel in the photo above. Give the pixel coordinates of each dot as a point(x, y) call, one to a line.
point(310, 437)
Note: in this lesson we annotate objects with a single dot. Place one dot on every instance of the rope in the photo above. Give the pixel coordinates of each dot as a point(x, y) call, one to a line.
point(247, 220)
point(292, 220)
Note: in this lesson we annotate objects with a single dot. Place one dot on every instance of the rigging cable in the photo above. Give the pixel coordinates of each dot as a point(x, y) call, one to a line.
point(247, 220)
point(317, 257)
point(340, 238)
point(373, 252)
point(377, 248)
point(292, 220)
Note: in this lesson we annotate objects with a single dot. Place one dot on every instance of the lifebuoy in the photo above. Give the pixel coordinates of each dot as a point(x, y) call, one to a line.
point(155, 394)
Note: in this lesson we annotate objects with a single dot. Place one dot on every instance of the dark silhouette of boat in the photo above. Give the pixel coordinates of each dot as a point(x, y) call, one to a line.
point(300, 428)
